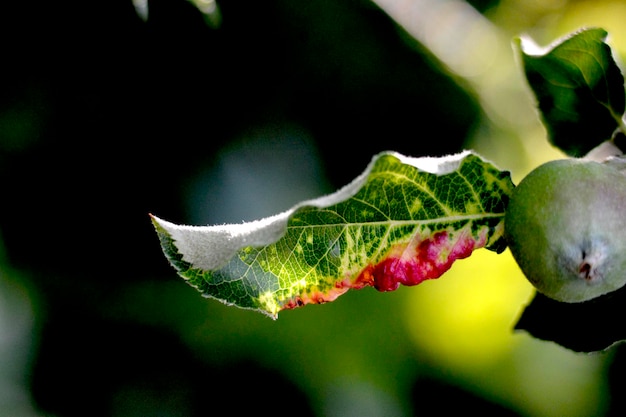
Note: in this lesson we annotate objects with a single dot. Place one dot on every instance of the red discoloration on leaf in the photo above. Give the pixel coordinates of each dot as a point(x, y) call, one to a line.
point(420, 260)
point(406, 264)
point(316, 297)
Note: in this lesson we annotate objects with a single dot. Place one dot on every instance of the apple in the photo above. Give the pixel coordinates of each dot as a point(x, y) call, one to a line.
point(565, 225)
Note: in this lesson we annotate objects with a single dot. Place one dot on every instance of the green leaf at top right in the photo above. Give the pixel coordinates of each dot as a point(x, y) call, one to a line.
point(579, 89)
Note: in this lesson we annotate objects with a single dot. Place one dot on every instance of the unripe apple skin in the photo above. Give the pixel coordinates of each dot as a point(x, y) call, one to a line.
point(566, 228)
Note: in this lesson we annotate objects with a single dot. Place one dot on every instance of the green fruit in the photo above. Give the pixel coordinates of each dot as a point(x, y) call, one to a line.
point(566, 228)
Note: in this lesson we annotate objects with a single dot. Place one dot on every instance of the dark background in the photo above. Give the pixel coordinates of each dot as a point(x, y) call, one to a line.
point(105, 118)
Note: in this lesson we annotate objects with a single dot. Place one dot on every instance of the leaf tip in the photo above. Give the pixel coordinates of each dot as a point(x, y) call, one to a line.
point(153, 219)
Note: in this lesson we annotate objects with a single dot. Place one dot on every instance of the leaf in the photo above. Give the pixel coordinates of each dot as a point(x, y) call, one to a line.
point(579, 89)
point(402, 221)
point(591, 326)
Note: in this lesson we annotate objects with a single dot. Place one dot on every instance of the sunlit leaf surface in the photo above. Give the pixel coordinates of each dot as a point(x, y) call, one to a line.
point(403, 221)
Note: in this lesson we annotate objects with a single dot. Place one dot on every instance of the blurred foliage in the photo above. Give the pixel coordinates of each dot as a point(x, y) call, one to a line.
point(105, 117)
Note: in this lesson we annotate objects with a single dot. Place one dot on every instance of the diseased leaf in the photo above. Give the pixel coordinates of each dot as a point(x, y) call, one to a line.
point(402, 221)
point(579, 89)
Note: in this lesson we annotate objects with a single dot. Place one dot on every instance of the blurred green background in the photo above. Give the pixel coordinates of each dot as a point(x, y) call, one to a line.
point(205, 113)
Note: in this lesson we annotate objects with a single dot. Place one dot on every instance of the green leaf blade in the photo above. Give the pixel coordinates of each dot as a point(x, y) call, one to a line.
point(579, 89)
point(404, 220)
